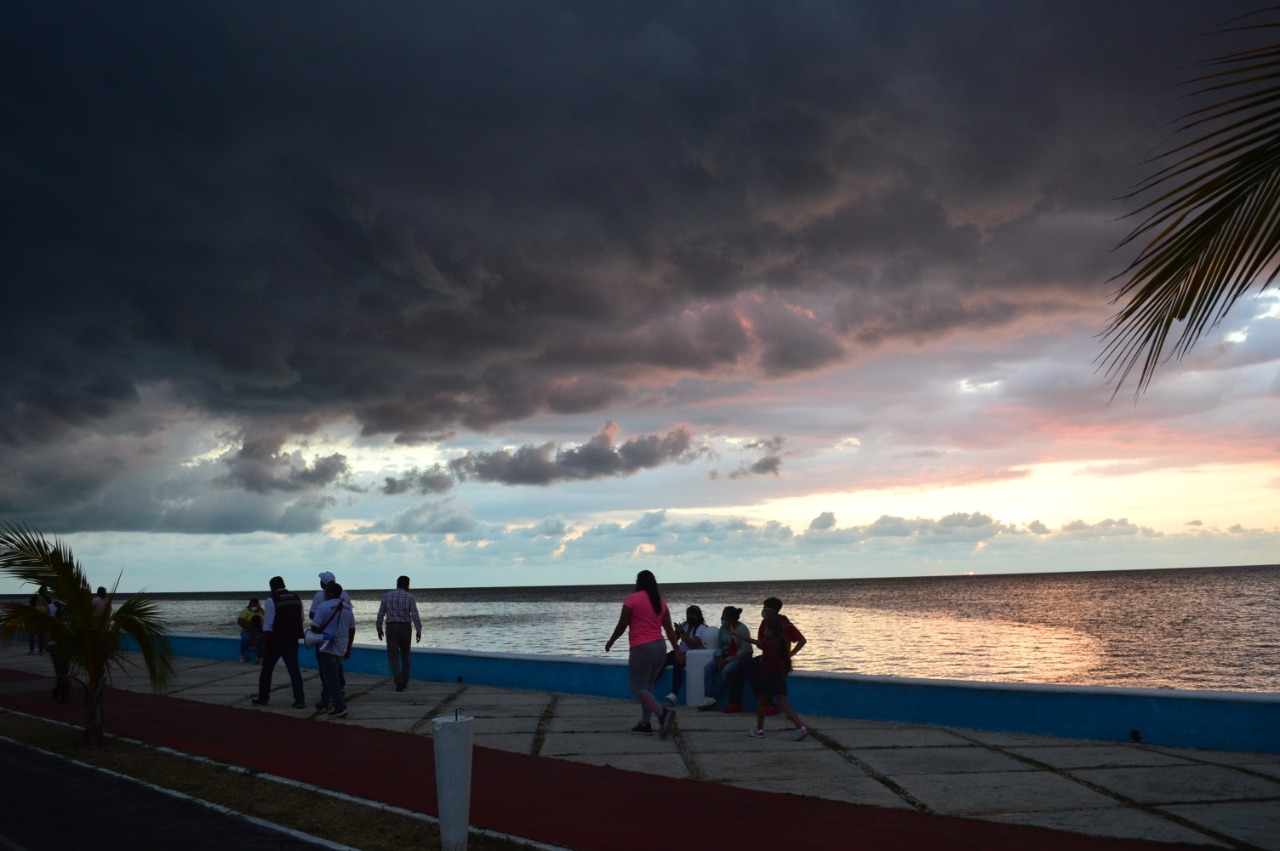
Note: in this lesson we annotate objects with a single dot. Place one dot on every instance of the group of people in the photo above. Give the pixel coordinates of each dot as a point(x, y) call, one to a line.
point(272, 629)
point(47, 641)
point(647, 621)
point(330, 630)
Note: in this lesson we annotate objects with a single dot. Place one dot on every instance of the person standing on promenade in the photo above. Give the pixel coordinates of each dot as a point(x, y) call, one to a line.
point(281, 632)
point(775, 664)
point(398, 608)
point(61, 667)
point(101, 602)
point(751, 671)
point(335, 619)
point(326, 579)
point(645, 617)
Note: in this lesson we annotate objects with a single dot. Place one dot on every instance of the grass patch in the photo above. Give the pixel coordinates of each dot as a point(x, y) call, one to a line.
point(346, 822)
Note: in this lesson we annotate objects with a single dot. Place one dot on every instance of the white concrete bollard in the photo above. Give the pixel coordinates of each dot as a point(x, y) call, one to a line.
point(452, 740)
point(695, 665)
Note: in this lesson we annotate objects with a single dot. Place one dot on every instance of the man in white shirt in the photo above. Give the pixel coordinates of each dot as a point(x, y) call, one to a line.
point(335, 619)
point(327, 579)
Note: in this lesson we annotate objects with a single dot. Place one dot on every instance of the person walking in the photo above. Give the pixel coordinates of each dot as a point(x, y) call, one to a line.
point(281, 632)
point(775, 664)
point(327, 579)
point(337, 622)
point(750, 672)
point(398, 608)
point(645, 617)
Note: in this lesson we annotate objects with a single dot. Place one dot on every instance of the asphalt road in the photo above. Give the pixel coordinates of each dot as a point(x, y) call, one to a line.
point(51, 805)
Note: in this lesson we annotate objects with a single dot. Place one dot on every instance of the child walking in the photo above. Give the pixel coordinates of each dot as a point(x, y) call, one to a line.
point(775, 664)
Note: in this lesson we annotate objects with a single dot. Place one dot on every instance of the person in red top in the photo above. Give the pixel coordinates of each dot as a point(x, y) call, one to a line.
point(645, 617)
point(775, 664)
point(750, 672)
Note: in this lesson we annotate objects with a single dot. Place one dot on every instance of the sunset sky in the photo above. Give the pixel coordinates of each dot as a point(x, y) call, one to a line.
point(547, 293)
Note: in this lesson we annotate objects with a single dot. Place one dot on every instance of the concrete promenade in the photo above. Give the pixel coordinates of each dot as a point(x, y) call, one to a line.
point(1133, 791)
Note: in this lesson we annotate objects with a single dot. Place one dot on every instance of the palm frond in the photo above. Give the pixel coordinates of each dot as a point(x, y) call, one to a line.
point(1213, 231)
point(91, 644)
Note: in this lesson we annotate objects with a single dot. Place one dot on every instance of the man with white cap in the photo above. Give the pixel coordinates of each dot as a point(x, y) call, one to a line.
point(327, 579)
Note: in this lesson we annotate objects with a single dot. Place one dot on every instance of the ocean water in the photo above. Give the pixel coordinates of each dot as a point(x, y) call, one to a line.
point(1203, 628)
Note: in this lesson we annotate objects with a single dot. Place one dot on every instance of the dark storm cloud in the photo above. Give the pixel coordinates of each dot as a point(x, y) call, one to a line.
point(598, 458)
point(769, 464)
point(433, 215)
point(261, 467)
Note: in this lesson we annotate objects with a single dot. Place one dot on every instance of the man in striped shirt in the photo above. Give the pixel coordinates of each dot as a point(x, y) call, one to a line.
point(398, 608)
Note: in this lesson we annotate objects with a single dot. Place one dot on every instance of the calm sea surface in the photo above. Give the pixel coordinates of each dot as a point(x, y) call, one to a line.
point(1207, 628)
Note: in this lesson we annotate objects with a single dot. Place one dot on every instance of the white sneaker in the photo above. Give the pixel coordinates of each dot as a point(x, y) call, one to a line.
point(756, 733)
point(707, 701)
point(670, 700)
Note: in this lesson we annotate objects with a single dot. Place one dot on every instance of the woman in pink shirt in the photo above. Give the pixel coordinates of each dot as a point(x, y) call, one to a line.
point(645, 618)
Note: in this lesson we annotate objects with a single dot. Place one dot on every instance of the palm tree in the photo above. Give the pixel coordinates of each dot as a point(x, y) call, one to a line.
point(1213, 229)
point(89, 645)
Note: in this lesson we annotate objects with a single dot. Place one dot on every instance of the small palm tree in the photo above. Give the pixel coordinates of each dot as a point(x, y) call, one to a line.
point(1213, 231)
point(89, 645)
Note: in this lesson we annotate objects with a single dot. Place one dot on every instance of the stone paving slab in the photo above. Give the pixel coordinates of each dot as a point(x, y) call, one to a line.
point(499, 741)
point(398, 725)
point(664, 765)
point(1221, 757)
point(1013, 740)
point(1270, 769)
point(856, 788)
point(614, 743)
point(737, 741)
point(1113, 821)
point(571, 708)
point(900, 762)
point(1098, 756)
point(587, 724)
point(749, 766)
point(1252, 822)
point(902, 737)
point(1181, 783)
point(504, 725)
point(377, 709)
point(1000, 793)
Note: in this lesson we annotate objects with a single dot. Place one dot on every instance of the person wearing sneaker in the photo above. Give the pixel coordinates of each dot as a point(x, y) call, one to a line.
point(645, 618)
point(732, 650)
point(775, 664)
point(694, 634)
point(335, 619)
point(281, 632)
point(750, 672)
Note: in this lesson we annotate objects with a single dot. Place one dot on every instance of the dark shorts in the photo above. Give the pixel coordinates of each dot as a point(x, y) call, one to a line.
point(773, 684)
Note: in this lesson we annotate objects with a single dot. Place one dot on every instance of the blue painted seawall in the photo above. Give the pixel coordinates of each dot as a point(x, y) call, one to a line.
point(1230, 721)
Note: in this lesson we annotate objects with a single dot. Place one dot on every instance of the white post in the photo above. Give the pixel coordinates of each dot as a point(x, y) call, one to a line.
point(452, 738)
point(695, 664)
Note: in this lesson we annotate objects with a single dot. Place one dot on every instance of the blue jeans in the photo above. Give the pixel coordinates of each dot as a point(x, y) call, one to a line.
point(248, 643)
point(330, 680)
point(716, 678)
point(277, 650)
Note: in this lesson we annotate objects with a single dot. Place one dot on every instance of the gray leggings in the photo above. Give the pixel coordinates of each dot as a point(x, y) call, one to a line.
point(643, 667)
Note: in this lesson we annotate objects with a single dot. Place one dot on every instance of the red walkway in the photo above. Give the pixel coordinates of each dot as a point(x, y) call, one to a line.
point(563, 803)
